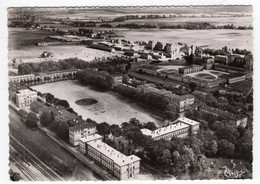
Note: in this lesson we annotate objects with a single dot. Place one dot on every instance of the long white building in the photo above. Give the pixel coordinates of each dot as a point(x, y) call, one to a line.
point(181, 128)
point(123, 167)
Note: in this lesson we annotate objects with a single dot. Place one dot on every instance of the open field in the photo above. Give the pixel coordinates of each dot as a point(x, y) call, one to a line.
point(22, 45)
point(217, 21)
point(61, 52)
point(19, 38)
point(242, 39)
point(110, 108)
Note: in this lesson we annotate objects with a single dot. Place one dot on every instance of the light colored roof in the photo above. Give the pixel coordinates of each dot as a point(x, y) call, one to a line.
point(112, 153)
point(164, 130)
point(26, 91)
point(21, 76)
point(188, 121)
point(91, 138)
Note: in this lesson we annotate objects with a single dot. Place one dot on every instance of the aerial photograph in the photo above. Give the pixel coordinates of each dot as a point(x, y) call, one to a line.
point(130, 93)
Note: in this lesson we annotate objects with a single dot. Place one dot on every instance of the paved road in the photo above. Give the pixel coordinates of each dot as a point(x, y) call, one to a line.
point(31, 166)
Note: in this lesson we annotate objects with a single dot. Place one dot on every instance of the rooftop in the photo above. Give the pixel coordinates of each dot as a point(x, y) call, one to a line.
point(64, 115)
point(90, 138)
point(190, 66)
point(231, 75)
point(17, 76)
point(26, 91)
point(188, 121)
point(80, 124)
point(15, 87)
point(62, 71)
point(164, 130)
point(112, 153)
point(223, 113)
point(38, 105)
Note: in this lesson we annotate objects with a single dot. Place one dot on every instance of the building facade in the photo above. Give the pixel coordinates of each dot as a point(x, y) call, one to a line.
point(181, 128)
point(190, 69)
point(25, 97)
point(80, 130)
point(123, 167)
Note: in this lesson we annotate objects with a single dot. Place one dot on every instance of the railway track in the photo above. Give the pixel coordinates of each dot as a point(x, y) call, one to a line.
point(36, 170)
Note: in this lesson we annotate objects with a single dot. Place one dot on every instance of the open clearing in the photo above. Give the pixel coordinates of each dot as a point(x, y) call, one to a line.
point(110, 107)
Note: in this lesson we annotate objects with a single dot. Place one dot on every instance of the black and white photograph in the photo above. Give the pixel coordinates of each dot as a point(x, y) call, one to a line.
point(119, 93)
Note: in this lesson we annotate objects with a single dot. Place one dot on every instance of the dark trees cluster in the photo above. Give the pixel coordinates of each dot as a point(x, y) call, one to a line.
point(52, 100)
point(32, 120)
point(202, 25)
point(232, 142)
point(46, 66)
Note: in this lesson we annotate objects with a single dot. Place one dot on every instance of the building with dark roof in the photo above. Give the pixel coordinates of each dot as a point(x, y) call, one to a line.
point(235, 119)
point(63, 116)
point(80, 128)
point(38, 107)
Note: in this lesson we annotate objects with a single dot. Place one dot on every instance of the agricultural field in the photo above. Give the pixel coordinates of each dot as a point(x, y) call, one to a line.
point(217, 21)
point(219, 38)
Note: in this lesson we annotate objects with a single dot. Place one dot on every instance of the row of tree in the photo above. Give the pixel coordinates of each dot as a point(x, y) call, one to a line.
point(203, 25)
point(46, 66)
point(111, 64)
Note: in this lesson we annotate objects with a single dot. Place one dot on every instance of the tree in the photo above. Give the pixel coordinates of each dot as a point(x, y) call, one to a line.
point(135, 122)
point(45, 118)
point(63, 103)
point(210, 148)
point(193, 86)
point(49, 97)
point(194, 167)
point(150, 126)
point(176, 155)
point(217, 125)
point(54, 125)
point(63, 131)
point(228, 132)
point(165, 158)
point(25, 68)
point(115, 131)
point(103, 129)
point(225, 148)
point(31, 120)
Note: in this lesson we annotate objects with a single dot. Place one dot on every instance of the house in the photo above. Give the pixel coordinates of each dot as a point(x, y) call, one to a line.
point(46, 54)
